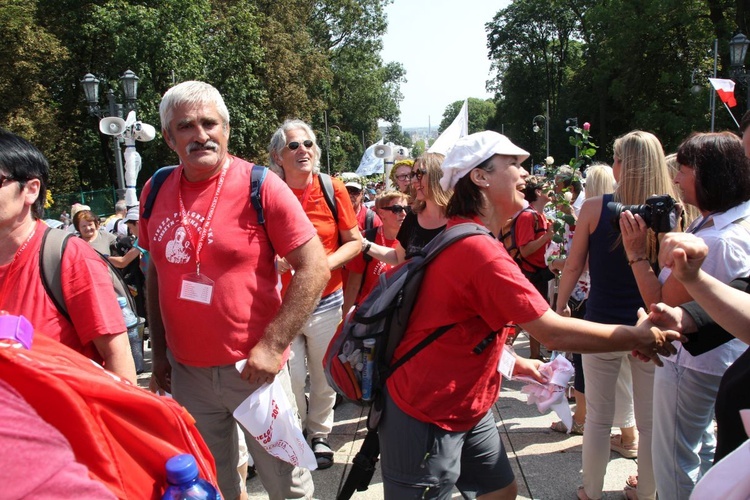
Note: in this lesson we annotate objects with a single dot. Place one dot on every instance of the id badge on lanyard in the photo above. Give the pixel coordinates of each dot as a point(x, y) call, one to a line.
point(197, 287)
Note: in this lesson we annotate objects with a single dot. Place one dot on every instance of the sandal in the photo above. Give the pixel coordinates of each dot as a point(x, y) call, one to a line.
point(323, 452)
point(560, 427)
point(632, 481)
point(627, 450)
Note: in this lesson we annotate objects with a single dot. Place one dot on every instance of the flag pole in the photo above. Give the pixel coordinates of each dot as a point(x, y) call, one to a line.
point(731, 114)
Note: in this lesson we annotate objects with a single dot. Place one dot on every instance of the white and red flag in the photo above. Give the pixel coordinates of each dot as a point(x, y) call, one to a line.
point(725, 89)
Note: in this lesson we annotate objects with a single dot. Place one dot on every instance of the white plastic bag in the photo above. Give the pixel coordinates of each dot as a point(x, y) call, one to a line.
point(268, 417)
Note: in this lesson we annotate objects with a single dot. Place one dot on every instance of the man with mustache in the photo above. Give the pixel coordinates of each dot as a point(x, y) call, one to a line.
point(219, 304)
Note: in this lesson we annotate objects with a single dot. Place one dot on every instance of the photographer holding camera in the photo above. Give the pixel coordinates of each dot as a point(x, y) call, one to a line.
point(640, 169)
point(714, 176)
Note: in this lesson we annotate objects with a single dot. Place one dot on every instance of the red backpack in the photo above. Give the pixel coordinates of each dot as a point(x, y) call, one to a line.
point(122, 433)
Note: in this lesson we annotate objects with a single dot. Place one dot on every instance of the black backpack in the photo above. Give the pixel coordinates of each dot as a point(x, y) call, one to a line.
point(383, 316)
point(54, 243)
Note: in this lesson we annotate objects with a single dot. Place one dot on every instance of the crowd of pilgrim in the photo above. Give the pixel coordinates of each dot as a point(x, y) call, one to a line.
point(651, 316)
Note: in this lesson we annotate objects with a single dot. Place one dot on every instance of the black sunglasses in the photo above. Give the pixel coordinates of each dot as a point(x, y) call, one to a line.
point(402, 177)
point(295, 144)
point(397, 209)
point(419, 173)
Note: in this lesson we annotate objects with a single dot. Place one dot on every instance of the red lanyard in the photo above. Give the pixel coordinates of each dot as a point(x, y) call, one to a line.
point(206, 222)
point(15, 259)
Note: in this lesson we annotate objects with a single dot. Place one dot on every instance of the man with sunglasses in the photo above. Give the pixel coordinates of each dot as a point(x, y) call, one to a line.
point(295, 157)
point(94, 325)
point(214, 302)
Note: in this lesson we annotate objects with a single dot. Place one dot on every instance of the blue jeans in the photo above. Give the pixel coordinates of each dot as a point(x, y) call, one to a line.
point(683, 439)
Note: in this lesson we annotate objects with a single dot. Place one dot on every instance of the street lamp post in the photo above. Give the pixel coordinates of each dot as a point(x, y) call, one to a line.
point(129, 83)
point(572, 124)
point(737, 52)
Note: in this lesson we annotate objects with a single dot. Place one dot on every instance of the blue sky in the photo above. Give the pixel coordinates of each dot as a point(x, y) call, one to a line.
point(442, 44)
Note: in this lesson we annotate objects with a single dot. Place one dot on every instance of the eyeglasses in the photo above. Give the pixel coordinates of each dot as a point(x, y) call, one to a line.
point(397, 209)
point(403, 177)
point(295, 144)
point(417, 174)
point(353, 191)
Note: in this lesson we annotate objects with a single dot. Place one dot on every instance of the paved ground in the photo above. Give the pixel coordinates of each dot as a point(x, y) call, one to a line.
point(547, 464)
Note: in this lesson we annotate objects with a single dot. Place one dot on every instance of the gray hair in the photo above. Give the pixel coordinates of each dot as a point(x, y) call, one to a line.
point(278, 143)
point(121, 206)
point(192, 93)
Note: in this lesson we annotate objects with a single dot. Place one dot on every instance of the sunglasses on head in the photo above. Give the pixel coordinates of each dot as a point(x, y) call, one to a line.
point(418, 174)
point(397, 209)
point(296, 144)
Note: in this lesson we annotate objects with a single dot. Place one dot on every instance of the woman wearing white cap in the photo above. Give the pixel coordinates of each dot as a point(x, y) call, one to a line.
point(437, 430)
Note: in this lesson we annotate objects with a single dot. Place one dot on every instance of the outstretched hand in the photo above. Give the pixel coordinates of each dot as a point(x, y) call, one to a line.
point(655, 340)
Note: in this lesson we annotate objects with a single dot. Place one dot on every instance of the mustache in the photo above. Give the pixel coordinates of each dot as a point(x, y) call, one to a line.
point(209, 144)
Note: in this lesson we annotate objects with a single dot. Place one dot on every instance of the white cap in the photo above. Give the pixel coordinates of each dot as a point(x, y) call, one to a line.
point(471, 150)
point(354, 184)
point(132, 214)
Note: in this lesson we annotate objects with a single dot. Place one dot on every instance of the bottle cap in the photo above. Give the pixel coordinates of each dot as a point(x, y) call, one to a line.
point(368, 342)
point(122, 301)
point(181, 469)
point(16, 328)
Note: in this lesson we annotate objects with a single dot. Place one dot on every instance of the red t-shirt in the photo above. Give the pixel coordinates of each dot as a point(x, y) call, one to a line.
point(531, 226)
point(476, 284)
point(238, 256)
point(316, 208)
point(374, 268)
point(87, 288)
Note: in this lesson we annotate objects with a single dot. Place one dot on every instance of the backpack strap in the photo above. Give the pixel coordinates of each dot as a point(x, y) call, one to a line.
point(430, 251)
point(369, 218)
point(54, 242)
point(257, 176)
point(326, 185)
point(156, 182)
point(370, 235)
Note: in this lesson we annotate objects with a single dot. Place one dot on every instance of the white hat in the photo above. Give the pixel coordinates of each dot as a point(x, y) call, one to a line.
point(132, 214)
point(77, 207)
point(354, 184)
point(471, 150)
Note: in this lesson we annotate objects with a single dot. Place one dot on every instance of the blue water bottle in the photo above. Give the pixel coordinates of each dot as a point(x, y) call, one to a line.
point(182, 476)
point(131, 323)
point(368, 361)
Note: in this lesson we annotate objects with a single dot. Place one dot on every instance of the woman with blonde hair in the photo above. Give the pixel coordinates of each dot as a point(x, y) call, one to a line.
point(400, 175)
point(427, 218)
point(641, 171)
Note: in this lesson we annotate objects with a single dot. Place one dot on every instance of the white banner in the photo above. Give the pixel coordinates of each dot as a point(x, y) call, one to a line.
point(370, 164)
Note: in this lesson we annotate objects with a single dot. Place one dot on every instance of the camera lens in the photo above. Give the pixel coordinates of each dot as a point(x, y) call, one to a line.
point(618, 208)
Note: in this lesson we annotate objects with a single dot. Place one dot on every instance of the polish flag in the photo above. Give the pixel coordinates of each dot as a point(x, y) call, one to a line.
point(725, 89)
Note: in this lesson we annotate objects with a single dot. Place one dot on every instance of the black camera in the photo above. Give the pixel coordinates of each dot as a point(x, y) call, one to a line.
point(659, 212)
point(124, 243)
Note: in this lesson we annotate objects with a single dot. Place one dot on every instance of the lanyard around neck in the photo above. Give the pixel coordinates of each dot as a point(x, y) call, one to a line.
point(203, 232)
